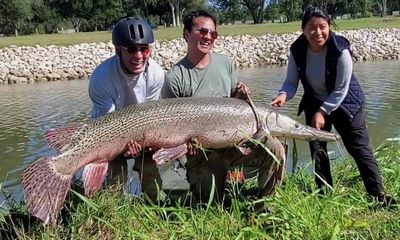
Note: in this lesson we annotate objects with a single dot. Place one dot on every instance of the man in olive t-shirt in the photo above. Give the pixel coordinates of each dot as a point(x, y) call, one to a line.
point(217, 79)
point(203, 73)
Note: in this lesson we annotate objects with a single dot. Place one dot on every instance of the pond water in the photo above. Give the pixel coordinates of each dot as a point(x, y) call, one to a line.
point(27, 110)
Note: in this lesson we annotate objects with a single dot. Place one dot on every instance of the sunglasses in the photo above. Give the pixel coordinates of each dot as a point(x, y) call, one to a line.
point(204, 31)
point(133, 49)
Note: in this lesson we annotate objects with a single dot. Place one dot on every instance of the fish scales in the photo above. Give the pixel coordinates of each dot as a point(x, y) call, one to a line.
point(200, 118)
point(214, 122)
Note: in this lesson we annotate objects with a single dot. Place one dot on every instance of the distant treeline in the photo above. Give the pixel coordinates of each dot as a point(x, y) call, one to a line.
point(50, 16)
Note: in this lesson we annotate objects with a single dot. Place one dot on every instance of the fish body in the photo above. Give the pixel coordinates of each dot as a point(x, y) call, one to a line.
point(168, 123)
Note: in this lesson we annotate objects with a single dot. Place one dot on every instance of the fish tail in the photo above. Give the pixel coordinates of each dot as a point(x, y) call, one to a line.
point(44, 189)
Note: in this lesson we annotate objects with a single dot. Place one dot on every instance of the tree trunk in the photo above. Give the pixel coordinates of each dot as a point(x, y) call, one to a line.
point(177, 14)
point(76, 22)
point(173, 14)
point(382, 7)
point(146, 12)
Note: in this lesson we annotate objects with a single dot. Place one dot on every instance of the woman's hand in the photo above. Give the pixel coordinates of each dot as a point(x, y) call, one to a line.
point(279, 101)
point(318, 120)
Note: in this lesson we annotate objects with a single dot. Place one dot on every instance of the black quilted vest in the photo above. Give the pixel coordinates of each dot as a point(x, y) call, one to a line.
point(354, 100)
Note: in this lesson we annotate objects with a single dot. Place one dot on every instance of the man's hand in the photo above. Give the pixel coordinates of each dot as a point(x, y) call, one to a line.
point(134, 149)
point(192, 149)
point(242, 91)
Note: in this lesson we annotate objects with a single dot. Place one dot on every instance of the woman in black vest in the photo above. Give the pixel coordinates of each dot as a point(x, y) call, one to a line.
point(322, 62)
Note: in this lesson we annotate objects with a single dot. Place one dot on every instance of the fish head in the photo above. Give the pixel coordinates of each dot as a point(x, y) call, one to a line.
point(282, 126)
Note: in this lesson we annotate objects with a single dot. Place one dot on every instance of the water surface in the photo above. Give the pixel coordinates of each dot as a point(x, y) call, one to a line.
point(27, 110)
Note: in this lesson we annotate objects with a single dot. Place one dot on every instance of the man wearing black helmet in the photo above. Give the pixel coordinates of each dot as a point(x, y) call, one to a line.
point(131, 76)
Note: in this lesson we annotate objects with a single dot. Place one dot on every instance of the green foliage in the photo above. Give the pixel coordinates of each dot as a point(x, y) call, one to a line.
point(229, 11)
point(291, 9)
point(14, 16)
point(256, 9)
point(163, 34)
point(3, 211)
point(361, 7)
point(45, 19)
point(46, 16)
point(103, 13)
point(296, 211)
point(272, 12)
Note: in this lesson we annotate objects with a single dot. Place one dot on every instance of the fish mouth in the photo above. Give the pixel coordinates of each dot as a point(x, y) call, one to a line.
point(307, 133)
point(284, 127)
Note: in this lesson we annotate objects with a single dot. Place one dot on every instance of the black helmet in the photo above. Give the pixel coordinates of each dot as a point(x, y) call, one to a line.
point(130, 31)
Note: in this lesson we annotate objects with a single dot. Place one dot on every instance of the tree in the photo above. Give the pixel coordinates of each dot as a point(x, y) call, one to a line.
point(76, 11)
point(255, 8)
point(45, 19)
point(178, 8)
point(174, 5)
point(272, 11)
point(228, 11)
point(104, 13)
point(14, 14)
point(382, 4)
point(393, 5)
point(291, 9)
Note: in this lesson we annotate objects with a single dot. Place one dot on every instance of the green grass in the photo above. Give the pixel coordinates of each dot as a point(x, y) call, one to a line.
point(295, 212)
point(163, 34)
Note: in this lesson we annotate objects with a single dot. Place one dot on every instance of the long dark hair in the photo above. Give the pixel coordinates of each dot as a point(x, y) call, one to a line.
point(313, 11)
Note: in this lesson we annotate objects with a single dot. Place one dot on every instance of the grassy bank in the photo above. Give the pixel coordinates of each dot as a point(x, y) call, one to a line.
point(172, 33)
point(295, 212)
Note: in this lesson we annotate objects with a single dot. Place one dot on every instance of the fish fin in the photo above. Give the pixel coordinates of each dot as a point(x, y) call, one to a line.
point(163, 155)
point(60, 138)
point(245, 148)
point(93, 177)
point(261, 133)
point(247, 144)
point(262, 128)
point(44, 189)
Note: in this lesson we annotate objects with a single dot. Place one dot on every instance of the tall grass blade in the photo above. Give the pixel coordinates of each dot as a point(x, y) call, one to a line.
point(335, 232)
point(257, 142)
point(86, 200)
point(212, 193)
point(295, 156)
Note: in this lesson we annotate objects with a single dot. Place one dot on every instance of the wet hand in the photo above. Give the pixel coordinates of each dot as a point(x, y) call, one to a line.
point(134, 149)
point(191, 147)
point(242, 91)
point(279, 100)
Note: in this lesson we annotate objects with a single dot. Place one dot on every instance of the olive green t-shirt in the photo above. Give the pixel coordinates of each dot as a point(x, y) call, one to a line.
point(217, 79)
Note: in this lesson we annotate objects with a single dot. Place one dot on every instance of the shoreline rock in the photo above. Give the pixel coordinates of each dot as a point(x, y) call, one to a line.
point(28, 64)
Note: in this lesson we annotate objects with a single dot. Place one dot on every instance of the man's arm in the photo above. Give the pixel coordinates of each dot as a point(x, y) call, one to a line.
point(101, 99)
point(238, 89)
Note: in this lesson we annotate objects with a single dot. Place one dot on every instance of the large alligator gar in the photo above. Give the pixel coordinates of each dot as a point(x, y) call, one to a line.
point(213, 122)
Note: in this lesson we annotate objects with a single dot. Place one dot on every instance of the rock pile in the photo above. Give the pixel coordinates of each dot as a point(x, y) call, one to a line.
point(50, 63)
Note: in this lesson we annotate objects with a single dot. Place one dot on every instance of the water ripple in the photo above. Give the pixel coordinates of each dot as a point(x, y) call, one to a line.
point(29, 110)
